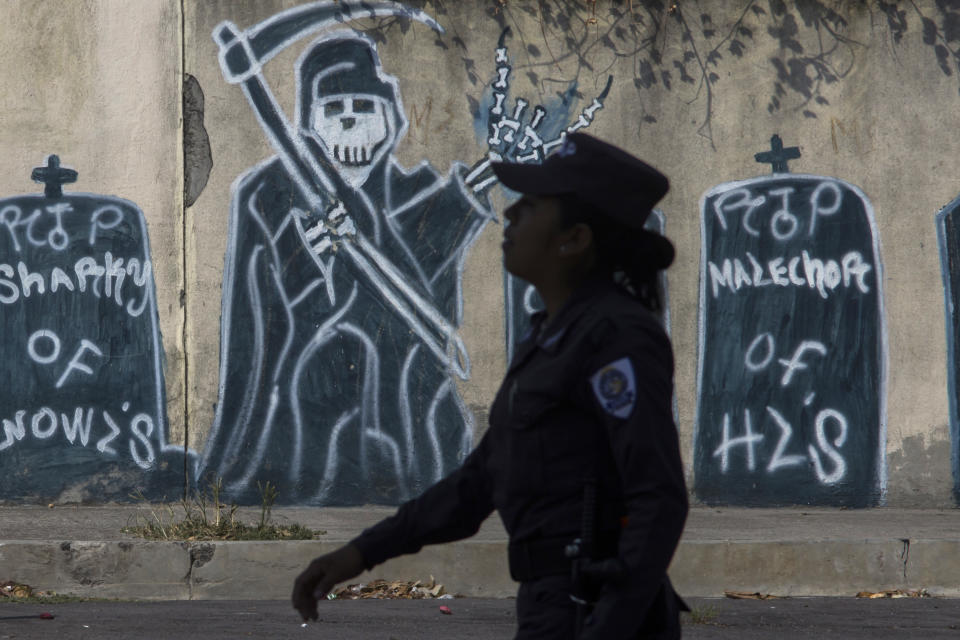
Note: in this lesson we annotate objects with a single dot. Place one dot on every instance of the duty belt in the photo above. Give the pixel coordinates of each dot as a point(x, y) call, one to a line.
point(544, 557)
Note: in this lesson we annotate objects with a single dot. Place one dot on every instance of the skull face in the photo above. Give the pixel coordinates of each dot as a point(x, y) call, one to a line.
point(353, 128)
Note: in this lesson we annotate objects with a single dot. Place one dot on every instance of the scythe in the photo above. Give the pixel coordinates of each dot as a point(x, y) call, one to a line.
point(242, 56)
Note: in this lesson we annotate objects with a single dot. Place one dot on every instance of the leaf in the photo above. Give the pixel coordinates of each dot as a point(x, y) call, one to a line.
point(474, 107)
point(440, 43)
point(547, 11)
point(809, 114)
point(688, 56)
point(837, 20)
point(649, 119)
point(942, 55)
point(736, 48)
point(799, 80)
point(607, 42)
point(684, 76)
point(822, 100)
point(620, 33)
point(793, 45)
point(896, 21)
point(713, 57)
point(929, 31)
point(778, 7)
point(656, 57)
point(705, 19)
point(745, 32)
point(709, 33)
point(457, 40)
point(951, 27)
point(646, 78)
point(665, 78)
point(533, 50)
point(713, 78)
point(498, 15)
point(746, 595)
point(533, 77)
point(758, 10)
point(782, 74)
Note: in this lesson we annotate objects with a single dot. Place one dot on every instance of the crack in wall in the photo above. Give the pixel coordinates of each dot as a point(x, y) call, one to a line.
point(197, 162)
point(905, 555)
point(200, 554)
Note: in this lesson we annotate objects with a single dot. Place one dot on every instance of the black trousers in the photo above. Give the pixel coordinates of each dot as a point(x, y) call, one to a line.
point(546, 612)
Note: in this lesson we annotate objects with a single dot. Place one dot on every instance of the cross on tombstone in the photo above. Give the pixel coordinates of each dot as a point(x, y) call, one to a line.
point(778, 156)
point(53, 176)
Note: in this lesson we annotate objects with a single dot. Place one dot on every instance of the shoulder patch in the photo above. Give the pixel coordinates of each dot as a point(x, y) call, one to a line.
point(615, 387)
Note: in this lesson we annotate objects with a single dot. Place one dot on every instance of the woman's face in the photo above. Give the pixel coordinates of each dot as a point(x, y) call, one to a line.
point(532, 237)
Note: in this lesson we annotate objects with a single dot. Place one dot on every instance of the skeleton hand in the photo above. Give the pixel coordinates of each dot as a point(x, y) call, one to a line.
point(327, 234)
point(515, 136)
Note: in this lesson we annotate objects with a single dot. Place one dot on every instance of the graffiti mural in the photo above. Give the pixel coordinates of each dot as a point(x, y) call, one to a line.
point(84, 416)
point(948, 237)
point(793, 354)
point(342, 286)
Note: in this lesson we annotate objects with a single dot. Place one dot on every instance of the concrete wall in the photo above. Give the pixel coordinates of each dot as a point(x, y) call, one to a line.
point(84, 375)
point(832, 381)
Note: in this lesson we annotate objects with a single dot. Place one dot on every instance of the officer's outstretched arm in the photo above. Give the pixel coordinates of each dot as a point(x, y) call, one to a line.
point(452, 509)
point(321, 575)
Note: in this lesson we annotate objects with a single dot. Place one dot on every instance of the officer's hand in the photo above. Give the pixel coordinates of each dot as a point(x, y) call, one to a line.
point(321, 576)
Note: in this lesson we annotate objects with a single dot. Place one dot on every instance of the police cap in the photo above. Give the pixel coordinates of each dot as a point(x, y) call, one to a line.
point(619, 185)
point(616, 184)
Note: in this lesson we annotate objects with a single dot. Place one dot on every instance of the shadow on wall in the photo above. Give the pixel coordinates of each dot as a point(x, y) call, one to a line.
point(793, 354)
point(83, 406)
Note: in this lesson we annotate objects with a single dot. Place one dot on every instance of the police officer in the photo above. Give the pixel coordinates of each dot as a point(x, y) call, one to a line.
point(581, 458)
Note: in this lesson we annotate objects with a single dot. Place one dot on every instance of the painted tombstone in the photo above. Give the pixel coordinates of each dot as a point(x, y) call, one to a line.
point(342, 299)
point(522, 300)
point(948, 235)
point(792, 357)
point(82, 401)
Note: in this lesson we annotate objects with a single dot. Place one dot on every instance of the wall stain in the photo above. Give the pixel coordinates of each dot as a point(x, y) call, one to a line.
point(919, 470)
point(197, 156)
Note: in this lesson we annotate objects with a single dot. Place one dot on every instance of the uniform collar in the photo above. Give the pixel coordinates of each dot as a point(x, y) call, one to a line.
point(550, 337)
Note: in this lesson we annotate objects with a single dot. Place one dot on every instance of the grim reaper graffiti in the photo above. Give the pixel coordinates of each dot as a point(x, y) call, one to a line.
point(342, 283)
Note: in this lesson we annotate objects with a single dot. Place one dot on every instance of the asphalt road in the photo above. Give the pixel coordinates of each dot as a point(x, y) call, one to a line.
point(470, 618)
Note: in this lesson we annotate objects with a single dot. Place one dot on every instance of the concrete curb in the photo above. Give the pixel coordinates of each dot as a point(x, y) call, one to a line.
point(265, 570)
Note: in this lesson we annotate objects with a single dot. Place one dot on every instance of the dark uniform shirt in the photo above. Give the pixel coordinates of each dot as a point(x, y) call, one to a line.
point(590, 393)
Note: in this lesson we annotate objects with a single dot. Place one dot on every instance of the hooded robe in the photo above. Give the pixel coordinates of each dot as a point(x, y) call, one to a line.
point(326, 390)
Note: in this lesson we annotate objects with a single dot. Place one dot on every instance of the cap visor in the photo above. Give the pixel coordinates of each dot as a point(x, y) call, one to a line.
point(534, 179)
